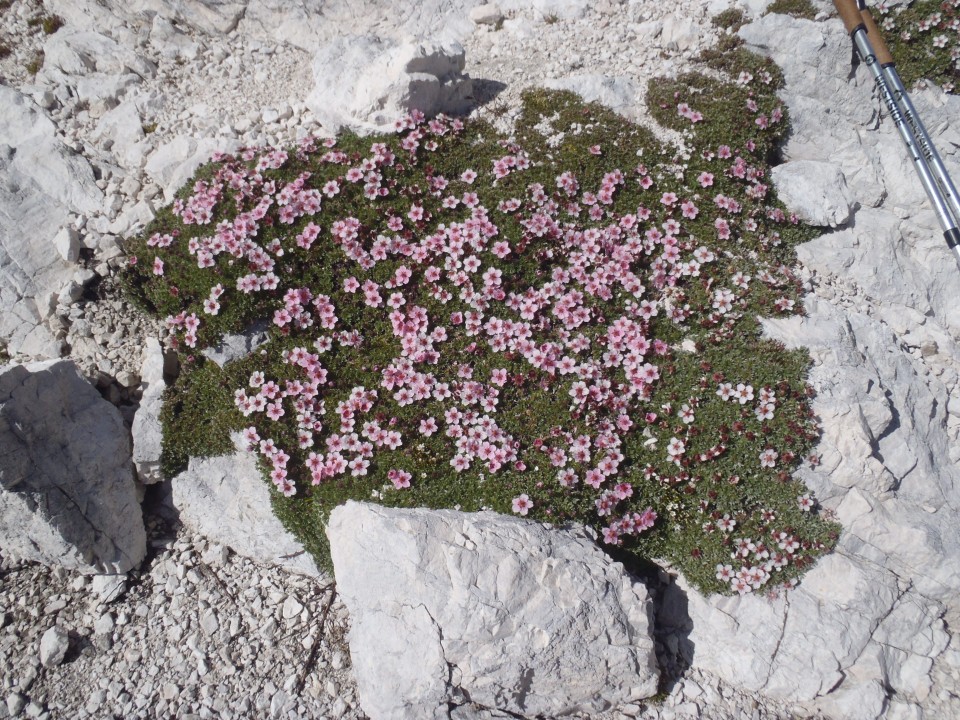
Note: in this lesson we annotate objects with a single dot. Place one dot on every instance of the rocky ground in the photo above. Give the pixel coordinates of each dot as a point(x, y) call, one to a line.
point(201, 632)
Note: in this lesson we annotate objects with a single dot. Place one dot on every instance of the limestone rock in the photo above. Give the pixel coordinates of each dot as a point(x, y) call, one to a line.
point(81, 52)
point(147, 430)
point(816, 191)
point(617, 93)
point(53, 646)
point(44, 185)
point(109, 587)
point(175, 162)
point(66, 494)
point(680, 32)
point(226, 500)
point(449, 607)
point(170, 42)
point(213, 17)
point(367, 83)
point(121, 132)
point(67, 243)
point(558, 9)
point(488, 14)
point(234, 346)
point(15, 704)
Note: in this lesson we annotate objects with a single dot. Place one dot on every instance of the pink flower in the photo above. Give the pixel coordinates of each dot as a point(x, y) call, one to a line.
point(399, 478)
point(157, 265)
point(250, 437)
point(275, 411)
point(522, 504)
point(611, 536)
point(358, 466)
point(468, 176)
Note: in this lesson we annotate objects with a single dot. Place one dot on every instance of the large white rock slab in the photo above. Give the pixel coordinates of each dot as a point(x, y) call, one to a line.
point(366, 83)
point(451, 608)
point(173, 163)
point(67, 494)
point(885, 473)
point(226, 500)
point(79, 52)
point(209, 16)
point(43, 186)
point(816, 191)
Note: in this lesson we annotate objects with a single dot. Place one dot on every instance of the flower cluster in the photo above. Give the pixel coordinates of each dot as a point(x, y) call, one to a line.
point(542, 339)
point(924, 39)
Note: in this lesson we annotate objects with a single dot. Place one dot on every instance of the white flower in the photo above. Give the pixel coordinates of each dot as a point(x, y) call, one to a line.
point(675, 448)
point(768, 458)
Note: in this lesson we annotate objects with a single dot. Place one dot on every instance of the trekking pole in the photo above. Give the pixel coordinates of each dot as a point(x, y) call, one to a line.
point(875, 60)
point(910, 115)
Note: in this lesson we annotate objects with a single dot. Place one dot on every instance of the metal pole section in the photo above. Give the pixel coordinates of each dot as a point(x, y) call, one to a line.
point(951, 234)
point(927, 148)
point(875, 54)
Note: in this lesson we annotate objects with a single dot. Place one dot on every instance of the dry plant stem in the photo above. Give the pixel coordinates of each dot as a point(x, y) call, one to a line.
point(315, 648)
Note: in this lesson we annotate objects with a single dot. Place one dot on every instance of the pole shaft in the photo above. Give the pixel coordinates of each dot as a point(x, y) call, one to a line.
point(919, 161)
point(924, 142)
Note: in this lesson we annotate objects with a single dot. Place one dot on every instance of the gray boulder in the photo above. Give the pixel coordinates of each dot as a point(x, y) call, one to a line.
point(53, 646)
point(226, 500)
point(451, 608)
point(67, 494)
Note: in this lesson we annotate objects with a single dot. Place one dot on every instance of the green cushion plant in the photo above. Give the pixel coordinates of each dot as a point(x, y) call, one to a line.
point(561, 324)
point(924, 39)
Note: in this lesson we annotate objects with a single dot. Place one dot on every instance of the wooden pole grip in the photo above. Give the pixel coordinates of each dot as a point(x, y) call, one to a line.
point(876, 40)
point(849, 13)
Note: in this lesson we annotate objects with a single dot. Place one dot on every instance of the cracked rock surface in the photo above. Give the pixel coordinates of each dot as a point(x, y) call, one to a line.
point(452, 608)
